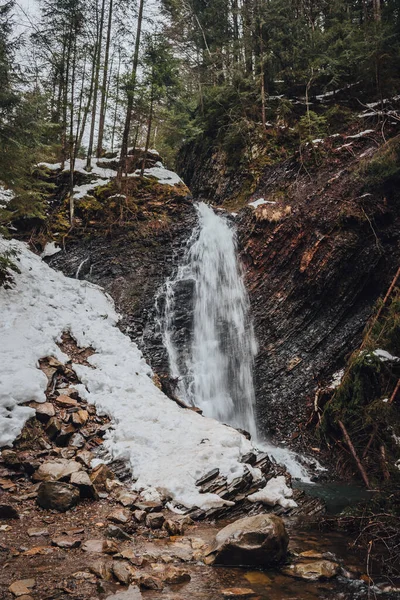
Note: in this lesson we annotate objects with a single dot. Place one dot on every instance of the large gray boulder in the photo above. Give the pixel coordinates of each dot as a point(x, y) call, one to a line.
point(256, 541)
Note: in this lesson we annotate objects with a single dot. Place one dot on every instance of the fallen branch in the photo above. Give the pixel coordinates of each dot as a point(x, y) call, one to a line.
point(396, 389)
point(354, 453)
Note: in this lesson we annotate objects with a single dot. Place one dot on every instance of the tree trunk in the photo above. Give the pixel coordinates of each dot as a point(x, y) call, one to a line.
point(377, 10)
point(149, 124)
point(116, 103)
point(89, 100)
point(104, 85)
point(95, 90)
point(131, 91)
point(71, 138)
point(65, 103)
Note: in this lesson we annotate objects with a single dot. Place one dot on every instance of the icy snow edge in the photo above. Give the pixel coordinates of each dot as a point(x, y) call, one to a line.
point(168, 447)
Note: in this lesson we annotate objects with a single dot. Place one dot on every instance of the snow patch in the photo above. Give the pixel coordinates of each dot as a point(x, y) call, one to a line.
point(5, 196)
point(385, 356)
point(50, 249)
point(164, 176)
point(260, 202)
point(168, 447)
point(336, 379)
point(275, 492)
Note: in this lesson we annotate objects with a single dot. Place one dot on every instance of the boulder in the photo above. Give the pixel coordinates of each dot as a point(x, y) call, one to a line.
point(57, 495)
point(66, 542)
point(53, 427)
point(101, 569)
point(82, 481)
point(252, 541)
point(44, 411)
point(85, 457)
point(313, 571)
point(21, 587)
point(126, 498)
point(77, 440)
point(123, 571)
point(155, 520)
point(7, 511)
point(119, 515)
point(174, 576)
point(55, 470)
point(100, 474)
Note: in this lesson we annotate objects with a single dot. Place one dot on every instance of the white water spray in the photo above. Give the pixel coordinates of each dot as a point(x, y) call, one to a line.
point(216, 374)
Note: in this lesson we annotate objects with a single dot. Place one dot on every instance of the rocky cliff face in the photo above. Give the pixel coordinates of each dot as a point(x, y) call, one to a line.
point(318, 254)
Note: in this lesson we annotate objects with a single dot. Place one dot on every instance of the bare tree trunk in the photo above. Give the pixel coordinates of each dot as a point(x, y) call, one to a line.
point(354, 453)
point(71, 138)
point(89, 100)
point(149, 124)
point(95, 90)
point(131, 92)
point(65, 103)
point(104, 85)
point(116, 103)
point(377, 10)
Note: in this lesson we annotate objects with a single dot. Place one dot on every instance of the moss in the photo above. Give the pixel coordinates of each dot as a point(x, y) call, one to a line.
point(384, 167)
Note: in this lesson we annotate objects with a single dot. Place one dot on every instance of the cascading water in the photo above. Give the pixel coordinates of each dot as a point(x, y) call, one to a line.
point(215, 372)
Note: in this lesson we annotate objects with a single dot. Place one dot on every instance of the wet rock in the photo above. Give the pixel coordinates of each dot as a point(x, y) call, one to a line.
point(312, 571)
point(155, 520)
point(149, 582)
point(38, 532)
point(140, 515)
point(86, 488)
point(238, 593)
point(85, 457)
point(55, 470)
point(77, 440)
point(127, 499)
point(53, 427)
point(7, 511)
point(57, 495)
point(119, 515)
point(66, 542)
point(22, 587)
point(100, 474)
point(132, 593)
point(102, 570)
point(123, 571)
point(44, 411)
point(174, 576)
point(252, 541)
point(113, 531)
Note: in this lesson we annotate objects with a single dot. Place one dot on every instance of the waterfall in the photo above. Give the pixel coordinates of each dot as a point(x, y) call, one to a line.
point(213, 363)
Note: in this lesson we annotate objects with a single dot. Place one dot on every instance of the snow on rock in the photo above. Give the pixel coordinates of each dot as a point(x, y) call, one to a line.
point(164, 176)
point(5, 196)
point(385, 356)
point(275, 492)
point(50, 249)
point(260, 202)
point(168, 447)
point(336, 379)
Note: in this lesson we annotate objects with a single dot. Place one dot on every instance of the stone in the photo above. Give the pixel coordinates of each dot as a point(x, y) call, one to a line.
point(66, 542)
point(139, 515)
point(70, 392)
point(57, 495)
point(44, 411)
point(155, 520)
point(93, 546)
point(315, 570)
point(173, 527)
point(252, 541)
point(149, 582)
point(127, 499)
point(101, 569)
point(11, 458)
point(25, 597)
point(113, 531)
point(86, 488)
point(149, 506)
point(66, 401)
point(55, 470)
point(21, 587)
point(38, 532)
point(119, 515)
point(53, 427)
point(7, 511)
point(77, 440)
point(38, 550)
point(238, 593)
point(80, 417)
point(132, 593)
point(85, 457)
point(130, 555)
point(174, 576)
point(64, 435)
point(123, 571)
point(100, 474)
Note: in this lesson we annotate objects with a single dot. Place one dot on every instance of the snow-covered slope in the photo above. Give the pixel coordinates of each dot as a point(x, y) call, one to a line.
point(168, 447)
